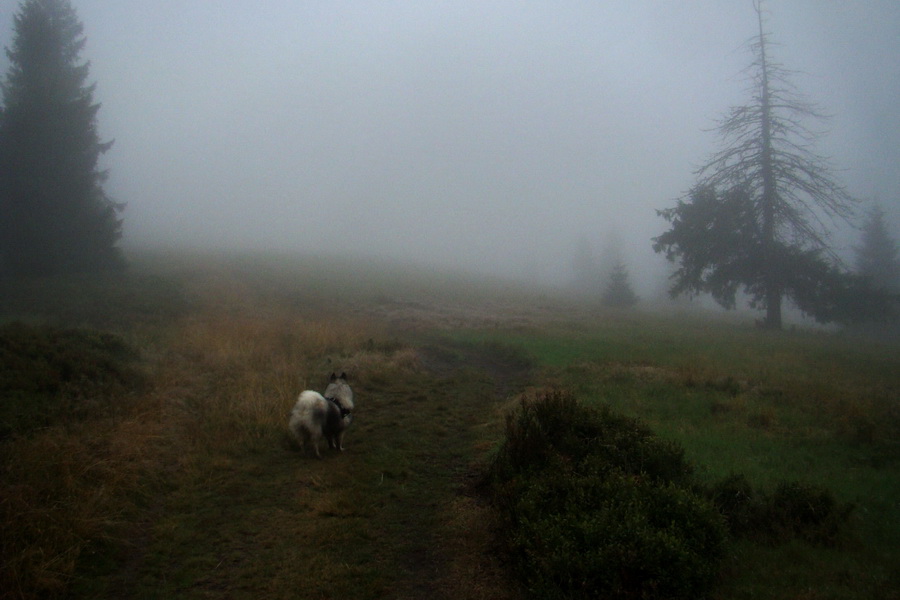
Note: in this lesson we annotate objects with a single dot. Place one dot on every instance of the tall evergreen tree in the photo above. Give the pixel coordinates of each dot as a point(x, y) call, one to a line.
point(877, 255)
point(779, 193)
point(54, 213)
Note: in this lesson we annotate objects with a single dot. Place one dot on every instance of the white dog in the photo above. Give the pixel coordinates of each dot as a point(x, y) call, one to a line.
point(316, 415)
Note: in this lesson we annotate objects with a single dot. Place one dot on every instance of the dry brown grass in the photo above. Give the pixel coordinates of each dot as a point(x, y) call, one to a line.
point(475, 569)
point(68, 490)
point(244, 372)
point(193, 488)
point(221, 377)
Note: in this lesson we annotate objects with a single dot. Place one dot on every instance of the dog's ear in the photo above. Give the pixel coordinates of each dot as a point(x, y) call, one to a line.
point(343, 375)
point(333, 378)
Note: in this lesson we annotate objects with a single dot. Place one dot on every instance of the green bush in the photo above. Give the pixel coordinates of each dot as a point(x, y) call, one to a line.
point(735, 498)
point(616, 537)
point(806, 511)
point(792, 510)
point(556, 428)
point(596, 506)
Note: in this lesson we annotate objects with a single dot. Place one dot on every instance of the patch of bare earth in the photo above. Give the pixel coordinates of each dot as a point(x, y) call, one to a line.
point(405, 316)
point(459, 558)
point(463, 560)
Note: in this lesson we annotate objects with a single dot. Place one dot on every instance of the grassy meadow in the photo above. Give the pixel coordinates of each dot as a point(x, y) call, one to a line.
point(147, 456)
point(816, 408)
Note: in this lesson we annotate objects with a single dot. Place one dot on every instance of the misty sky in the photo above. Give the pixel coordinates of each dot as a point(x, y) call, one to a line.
point(489, 135)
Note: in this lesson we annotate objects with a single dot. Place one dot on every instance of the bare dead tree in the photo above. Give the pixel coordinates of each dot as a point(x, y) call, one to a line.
point(767, 153)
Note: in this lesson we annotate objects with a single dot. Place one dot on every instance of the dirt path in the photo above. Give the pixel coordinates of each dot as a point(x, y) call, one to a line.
point(455, 557)
point(391, 517)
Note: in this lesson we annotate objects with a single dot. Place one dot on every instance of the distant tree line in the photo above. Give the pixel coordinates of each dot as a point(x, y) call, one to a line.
point(55, 216)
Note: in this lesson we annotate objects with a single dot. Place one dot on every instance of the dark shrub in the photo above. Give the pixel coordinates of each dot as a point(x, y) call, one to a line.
point(735, 499)
point(49, 374)
point(794, 509)
point(617, 537)
point(596, 506)
point(554, 428)
point(536, 435)
point(806, 511)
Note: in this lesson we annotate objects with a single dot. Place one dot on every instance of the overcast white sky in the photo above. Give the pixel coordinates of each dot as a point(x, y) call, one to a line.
point(486, 134)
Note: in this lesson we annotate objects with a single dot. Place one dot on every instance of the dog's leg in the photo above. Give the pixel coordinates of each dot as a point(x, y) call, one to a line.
point(302, 436)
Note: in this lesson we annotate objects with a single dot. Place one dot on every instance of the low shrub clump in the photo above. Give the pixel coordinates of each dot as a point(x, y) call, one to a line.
point(49, 374)
point(555, 426)
point(792, 510)
point(598, 506)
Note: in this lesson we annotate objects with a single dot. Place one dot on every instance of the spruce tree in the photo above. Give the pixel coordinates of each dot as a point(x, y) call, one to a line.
point(55, 216)
point(618, 292)
point(877, 255)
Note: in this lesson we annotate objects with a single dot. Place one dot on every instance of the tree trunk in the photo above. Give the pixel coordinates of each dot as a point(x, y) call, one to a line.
point(773, 309)
point(769, 192)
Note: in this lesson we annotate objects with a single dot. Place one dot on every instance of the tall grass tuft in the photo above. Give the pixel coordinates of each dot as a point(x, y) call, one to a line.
point(245, 373)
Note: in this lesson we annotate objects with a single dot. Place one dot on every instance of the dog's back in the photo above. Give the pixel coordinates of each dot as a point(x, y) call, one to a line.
point(310, 418)
point(315, 416)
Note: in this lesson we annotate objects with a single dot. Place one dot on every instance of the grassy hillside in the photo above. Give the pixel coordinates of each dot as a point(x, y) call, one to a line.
point(821, 409)
point(160, 464)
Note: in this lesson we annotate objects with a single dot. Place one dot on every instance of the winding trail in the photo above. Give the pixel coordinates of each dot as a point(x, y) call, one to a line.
point(394, 516)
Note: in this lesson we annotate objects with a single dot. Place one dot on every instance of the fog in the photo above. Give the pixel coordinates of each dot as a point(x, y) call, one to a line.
point(489, 136)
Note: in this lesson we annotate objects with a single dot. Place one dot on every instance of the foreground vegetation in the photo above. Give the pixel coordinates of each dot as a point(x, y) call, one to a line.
point(146, 454)
point(773, 417)
point(596, 505)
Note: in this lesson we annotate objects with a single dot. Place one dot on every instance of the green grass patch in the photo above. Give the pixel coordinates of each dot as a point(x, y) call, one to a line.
point(815, 409)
